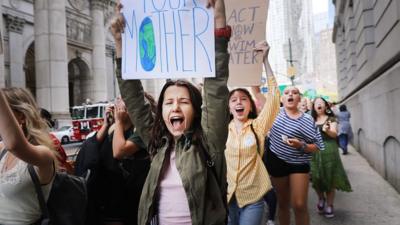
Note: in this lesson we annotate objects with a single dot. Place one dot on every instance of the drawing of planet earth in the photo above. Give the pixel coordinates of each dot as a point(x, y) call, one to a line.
point(147, 45)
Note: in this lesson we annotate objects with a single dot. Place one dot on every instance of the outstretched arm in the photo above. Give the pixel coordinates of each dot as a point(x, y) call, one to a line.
point(215, 116)
point(131, 90)
point(266, 118)
point(15, 142)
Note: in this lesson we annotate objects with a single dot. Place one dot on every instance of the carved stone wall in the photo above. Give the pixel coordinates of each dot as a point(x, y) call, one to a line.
point(78, 31)
point(14, 24)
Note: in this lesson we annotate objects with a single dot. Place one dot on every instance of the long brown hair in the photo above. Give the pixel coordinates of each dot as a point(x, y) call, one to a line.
point(35, 128)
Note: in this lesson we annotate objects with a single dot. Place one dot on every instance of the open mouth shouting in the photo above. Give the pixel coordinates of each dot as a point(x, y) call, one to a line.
point(177, 123)
point(239, 110)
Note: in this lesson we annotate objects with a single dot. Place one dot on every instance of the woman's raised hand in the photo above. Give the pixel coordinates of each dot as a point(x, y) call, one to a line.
point(117, 28)
point(262, 47)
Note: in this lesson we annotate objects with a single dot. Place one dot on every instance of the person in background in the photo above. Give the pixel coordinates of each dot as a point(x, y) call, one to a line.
point(294, 137)
point(63, 164)
point(186, 183)
point(327, 170)
point(115, 196)
point(25, 141)
point(133, 158)
point(248, 179)
point(345, 131)
point(304, 105)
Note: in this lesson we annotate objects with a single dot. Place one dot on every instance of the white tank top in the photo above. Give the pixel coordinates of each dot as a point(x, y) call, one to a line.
point(18, 200)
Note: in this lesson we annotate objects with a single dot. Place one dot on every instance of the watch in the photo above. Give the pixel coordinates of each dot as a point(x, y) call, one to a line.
point(223, 32)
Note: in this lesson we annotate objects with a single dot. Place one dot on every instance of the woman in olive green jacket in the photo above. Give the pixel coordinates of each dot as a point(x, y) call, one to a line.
point(185, 133)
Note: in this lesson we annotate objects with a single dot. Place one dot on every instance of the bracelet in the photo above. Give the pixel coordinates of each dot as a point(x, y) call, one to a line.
point(303, 147)
point(225, 32)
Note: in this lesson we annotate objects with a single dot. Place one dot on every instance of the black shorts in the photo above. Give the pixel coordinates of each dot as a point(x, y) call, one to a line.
point(278, 168)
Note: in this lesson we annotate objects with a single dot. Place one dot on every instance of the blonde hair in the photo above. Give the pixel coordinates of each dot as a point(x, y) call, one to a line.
point(35, 128)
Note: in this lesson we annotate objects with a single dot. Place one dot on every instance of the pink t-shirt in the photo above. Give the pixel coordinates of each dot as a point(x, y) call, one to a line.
point(173, 203)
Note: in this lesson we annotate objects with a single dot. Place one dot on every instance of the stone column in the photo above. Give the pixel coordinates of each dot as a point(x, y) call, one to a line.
point(99, 72)
point(15, 27)
point(51, 57)
point(112, 86)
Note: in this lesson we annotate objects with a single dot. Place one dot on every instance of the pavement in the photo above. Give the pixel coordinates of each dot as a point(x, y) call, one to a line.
point(373, 200)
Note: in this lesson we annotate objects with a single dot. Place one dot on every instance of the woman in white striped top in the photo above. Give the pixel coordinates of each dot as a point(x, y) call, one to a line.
point(293, 137)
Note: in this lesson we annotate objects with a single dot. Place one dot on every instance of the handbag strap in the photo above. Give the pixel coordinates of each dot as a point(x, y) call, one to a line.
point(3, 153)
point(39, 192)
point(255, 135)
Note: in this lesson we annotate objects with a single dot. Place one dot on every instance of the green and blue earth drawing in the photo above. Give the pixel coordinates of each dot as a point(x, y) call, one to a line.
point(147, 45)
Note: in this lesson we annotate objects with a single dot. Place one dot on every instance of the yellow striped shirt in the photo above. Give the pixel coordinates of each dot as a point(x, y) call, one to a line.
point(247, 176)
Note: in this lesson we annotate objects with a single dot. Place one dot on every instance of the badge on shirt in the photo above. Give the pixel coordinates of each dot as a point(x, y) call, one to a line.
point(249, 140)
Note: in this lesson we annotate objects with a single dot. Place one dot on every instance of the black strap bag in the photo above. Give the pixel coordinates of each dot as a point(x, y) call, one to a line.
point(67, 200)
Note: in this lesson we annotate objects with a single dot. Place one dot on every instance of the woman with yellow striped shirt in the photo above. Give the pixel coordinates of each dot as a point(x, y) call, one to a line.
point(248, 179)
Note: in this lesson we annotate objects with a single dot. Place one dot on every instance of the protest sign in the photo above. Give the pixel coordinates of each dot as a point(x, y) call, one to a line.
point(168, 39)
point(248, 20)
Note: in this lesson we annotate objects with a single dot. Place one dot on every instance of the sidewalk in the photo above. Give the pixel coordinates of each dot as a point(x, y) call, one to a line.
point(372, 202)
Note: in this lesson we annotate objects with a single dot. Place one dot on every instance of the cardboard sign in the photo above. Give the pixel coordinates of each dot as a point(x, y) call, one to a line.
point(248, 20)
point(168, 39)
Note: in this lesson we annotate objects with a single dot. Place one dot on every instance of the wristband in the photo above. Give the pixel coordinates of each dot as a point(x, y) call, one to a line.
point(225, 32)
point(303, 147)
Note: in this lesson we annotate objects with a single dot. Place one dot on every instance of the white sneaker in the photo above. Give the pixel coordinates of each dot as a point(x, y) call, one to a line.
point(270, 222)
point(329, 212)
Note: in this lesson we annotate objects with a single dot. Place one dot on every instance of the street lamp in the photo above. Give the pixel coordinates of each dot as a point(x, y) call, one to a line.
point(291, 72)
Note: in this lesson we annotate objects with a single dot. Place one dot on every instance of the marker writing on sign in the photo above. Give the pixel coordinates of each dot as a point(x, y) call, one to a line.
point(162, 38)
point(241, 46)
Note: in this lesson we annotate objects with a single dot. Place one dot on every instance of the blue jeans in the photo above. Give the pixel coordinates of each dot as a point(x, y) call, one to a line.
point(252, 214)
point(343, 142)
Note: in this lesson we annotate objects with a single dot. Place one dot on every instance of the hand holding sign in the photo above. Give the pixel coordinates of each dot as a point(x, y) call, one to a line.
point(262, 47)
point(117, 28)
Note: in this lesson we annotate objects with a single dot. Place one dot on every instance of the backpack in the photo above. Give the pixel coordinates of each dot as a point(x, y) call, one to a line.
point(67, 200)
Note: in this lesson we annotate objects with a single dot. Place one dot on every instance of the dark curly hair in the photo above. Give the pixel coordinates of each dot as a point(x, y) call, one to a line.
point(328, 110)
point(160, 130)
point(253, 111)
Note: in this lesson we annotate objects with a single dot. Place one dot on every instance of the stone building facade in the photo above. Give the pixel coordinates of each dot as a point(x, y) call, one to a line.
point(62, 50)
point(366, 35)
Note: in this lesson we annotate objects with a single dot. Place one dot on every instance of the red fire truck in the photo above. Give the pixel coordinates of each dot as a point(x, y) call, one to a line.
point(86, 119)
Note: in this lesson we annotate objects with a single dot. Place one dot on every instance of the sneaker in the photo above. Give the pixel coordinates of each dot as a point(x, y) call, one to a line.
point(270, 222)
point(321, 206)
point(329, 212)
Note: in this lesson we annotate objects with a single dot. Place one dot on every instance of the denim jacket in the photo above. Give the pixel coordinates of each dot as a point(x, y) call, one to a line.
point(205, 191)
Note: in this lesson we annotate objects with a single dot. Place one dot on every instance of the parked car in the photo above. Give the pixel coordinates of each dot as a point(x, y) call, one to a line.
point(64, 134)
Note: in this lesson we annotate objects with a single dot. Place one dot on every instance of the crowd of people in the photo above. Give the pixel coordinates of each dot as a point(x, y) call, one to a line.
point(209, 156)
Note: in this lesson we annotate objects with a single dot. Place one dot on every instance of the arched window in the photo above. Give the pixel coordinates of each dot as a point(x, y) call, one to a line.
point(391, 148)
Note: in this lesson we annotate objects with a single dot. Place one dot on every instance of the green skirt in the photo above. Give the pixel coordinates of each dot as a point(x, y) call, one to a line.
point(327, 170)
